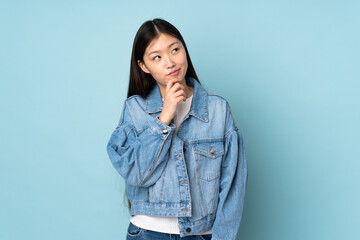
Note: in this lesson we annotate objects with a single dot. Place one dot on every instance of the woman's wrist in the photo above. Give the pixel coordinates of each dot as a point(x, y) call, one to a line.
point(163, 120)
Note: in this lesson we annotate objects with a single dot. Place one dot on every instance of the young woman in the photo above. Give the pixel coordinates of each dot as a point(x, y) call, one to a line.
point(177, 146)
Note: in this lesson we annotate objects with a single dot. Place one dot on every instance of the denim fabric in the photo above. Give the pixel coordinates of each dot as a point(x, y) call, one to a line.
point(137, 233)
point(199, 174)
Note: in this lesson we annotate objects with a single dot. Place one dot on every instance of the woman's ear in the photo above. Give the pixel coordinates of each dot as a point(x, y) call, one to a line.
point(142, 66)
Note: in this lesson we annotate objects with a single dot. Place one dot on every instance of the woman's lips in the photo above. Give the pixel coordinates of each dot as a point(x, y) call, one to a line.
point(174, 73)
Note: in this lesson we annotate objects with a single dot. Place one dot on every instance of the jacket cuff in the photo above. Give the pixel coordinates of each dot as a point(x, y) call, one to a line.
point(162, 129)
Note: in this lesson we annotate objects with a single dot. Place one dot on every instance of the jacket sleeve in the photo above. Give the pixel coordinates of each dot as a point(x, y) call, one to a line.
point(233, 181)
point(140, 156)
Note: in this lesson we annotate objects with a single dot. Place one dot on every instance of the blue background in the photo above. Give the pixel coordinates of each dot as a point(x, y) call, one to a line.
point(289, 69)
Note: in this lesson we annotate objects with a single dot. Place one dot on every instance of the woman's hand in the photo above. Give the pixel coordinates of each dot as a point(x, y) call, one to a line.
point(174, 93)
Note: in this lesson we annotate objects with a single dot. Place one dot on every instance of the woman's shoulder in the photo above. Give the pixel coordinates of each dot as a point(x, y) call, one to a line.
point(219, 102)
point(134, 103)
point(215, 98)
point(135, 99)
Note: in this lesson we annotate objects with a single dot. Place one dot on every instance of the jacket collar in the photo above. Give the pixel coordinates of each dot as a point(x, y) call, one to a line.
point(199, 104)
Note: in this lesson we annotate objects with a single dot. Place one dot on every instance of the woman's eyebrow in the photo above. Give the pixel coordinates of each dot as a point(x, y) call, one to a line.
point(168, 47)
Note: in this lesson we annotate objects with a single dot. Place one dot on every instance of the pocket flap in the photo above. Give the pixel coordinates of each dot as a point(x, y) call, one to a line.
point(210, 149)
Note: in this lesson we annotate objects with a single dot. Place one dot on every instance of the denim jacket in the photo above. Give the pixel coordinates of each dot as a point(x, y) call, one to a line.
point(198, 174)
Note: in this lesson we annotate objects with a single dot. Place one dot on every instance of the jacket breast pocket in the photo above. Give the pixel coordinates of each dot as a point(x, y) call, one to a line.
point(208, 157)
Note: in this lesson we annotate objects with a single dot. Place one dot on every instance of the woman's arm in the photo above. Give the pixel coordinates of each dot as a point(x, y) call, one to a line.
point(233, 181)
point(140, 156)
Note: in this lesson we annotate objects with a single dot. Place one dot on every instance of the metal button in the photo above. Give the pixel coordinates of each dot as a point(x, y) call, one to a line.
point(188, 230)
point(183, 181)
point(178, 155)
point(212, 150)
point(184, 209)
point(164, 131)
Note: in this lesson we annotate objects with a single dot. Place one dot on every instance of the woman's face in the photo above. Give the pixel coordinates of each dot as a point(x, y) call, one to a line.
point(163, 56)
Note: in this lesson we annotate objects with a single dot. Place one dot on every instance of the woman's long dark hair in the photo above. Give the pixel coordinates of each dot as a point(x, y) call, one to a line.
point(140, 82)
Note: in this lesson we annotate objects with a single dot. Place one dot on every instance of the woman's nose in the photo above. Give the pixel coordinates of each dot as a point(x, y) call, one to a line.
point(169, 62)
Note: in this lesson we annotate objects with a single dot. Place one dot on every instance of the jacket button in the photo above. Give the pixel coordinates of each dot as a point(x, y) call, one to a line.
point(164, 131)
point(212, 150)
point(188, 230)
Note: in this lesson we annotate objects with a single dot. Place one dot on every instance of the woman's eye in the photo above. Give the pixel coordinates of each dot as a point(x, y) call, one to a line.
point(155, 57)
point(177, 49)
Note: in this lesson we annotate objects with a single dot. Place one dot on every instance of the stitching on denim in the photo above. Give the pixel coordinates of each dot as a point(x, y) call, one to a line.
point(151, 169)
point(203, 140)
